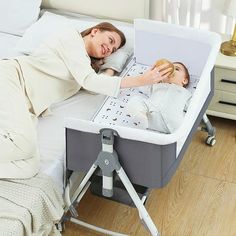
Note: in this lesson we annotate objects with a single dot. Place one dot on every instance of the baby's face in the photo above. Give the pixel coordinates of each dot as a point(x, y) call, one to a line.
point(179, 75)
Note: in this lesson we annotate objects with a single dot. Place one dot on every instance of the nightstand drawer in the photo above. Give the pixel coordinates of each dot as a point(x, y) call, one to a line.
point(225, 79)
point(223, 102)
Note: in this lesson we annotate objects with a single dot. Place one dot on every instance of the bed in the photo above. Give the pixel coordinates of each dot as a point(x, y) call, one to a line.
point(78, 117)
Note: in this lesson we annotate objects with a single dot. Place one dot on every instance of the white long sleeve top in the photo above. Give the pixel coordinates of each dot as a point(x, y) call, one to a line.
point(59, 68)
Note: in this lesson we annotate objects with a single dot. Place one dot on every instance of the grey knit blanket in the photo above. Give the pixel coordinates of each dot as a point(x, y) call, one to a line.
point(29, 207)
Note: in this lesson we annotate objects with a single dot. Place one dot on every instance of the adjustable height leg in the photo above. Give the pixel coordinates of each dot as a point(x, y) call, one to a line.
point(108, 162)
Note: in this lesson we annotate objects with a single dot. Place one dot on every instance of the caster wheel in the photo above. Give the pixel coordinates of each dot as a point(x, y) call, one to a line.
point(61, 226)
point(210, 140)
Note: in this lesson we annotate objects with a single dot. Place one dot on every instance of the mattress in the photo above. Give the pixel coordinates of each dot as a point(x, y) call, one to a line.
point(51, 138)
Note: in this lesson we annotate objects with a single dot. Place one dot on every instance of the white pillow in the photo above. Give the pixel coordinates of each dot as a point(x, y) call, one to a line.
point(50, 24)
point(17, 15)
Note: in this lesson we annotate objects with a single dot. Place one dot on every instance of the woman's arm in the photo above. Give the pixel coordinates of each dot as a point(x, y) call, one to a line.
point(151, 76)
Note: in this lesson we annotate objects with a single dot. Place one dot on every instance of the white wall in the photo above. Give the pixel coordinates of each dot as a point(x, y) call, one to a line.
point(212, 17)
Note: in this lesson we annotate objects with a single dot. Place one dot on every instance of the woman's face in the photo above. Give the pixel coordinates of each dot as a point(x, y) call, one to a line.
point(179, 75)
point(103, 43)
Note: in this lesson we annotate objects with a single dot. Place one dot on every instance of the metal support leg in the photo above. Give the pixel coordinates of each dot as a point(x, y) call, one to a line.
point(210, 140)
point(77, 197)
point(210, 129)
point(138, 203)
point(108, 162)
point(69, 202)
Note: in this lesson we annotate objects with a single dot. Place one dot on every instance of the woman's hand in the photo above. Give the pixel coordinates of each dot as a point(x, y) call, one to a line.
point(156, 74)
point(152, 76)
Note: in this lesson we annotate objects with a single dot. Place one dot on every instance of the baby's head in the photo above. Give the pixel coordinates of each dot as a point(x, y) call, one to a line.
point(180, 76)
point(179, 73)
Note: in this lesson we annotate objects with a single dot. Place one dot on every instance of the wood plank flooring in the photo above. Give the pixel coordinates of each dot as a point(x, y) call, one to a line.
point(200, 199)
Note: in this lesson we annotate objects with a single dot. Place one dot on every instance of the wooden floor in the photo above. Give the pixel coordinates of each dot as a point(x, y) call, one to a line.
point(200, 200)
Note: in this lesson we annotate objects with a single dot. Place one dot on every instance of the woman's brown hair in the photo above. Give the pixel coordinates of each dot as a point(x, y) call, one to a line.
point(104, 26)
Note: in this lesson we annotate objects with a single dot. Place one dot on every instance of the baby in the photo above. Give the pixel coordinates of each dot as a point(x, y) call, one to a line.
point(166, 107)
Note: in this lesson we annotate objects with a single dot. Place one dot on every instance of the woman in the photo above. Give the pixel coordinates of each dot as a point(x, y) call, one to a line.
point(54, 72)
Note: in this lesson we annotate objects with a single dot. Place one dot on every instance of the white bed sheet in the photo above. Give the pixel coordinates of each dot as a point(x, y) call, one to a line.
point(51, 136)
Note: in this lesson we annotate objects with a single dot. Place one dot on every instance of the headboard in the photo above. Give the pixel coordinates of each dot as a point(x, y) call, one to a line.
point(125, 10)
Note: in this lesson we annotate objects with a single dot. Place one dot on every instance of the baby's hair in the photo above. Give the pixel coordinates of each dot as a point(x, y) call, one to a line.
point(186, 73)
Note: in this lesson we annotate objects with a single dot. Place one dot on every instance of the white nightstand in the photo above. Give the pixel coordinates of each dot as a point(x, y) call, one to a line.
point(223, 103)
